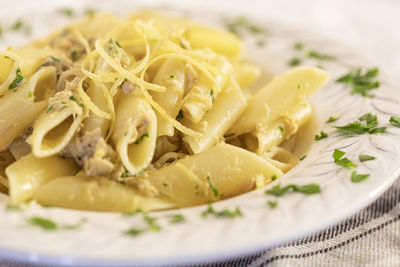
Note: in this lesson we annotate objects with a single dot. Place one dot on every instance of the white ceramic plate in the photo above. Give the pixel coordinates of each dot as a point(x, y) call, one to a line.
point(100, 240)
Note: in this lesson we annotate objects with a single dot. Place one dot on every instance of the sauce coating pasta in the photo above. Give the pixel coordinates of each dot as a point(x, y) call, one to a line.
point(147, 113)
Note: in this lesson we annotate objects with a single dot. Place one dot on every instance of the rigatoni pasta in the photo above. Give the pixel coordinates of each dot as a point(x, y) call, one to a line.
point(147, 113)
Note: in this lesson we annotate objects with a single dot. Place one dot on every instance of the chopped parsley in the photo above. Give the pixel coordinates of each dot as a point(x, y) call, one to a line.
point(294, 61)
point(365, 124)
point(151, 222)
point(72, 98)
point(76, 225)
point(363, 158)
point(331, 119)
point(212, 95)
point(395, 121)
point(282, 129)
point(30, 95)
point(125, 173)
point(134, 231)
point(172, 76)
point(132, 213)
point(55, 59)
point(226, 213)
point(242, 23)
point(18, 24)
point(43, 223)
point(273, 204)
point(298, 46)
point(176, 218)
point(165, 184)
point(90, 11)
point(76, 172)
point(74, 55)
point(140, 139)
point(303, 157)
point(13, 207)
point(356, 178)
point(213, 188)
point(18, 79)
point(229, 135)
point(260, 43)
point(361, 83)
point(321, 136)
point(273, 177)
point(49, 109)
point(180, 115)
point(67, 12)
point(307, 189)
point(340, 160)
point(319, 56)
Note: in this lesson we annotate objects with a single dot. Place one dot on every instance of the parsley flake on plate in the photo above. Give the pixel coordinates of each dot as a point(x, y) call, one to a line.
point(361, 82)
point(340, 160)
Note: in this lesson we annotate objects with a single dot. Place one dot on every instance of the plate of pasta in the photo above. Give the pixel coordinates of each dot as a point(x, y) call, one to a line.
point(171, 135)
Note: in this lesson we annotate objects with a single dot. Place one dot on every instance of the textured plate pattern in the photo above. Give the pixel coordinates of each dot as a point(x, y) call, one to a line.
point(100, 240)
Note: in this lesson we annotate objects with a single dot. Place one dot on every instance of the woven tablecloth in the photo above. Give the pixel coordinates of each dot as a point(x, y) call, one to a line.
point(372, 236)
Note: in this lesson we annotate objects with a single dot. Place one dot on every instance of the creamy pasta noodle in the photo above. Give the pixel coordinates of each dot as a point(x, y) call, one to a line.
point(148, 113)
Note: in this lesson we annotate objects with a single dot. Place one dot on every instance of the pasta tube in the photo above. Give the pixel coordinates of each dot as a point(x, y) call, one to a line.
point(29, 173)
point(135, 132)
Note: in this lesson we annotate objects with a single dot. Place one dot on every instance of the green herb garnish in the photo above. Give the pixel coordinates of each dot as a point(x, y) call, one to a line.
point(180, 115)
point(340, 160)
point(356, 178)
point(172, 76)
point(90, 11)
point(74, 55)
point(395, 121)
point(18, 79)
point(134, 231)
point(177, 218)
point(365, 124)
point(282, 129)
point(321, 136)
point(226, 213)
point(298, 46)
point(76, 225)
point(303, 157)
point(151, 222)
point(362, 83)
point(140, 139)
point(273, 177)
point(13, 207)
point(273, 204)
point(125, 173)
point(55, 59)
point(43, 223)
point(76, 172)
point(72, 98)
point(331, 119)
point(212, 95)
point(213, 188)
point(229, 135)
point(67, 12)
point(18, 24)
point(165, 184)
point(319, 56)
point(363, 158)
point(49, 109)
point(307, 189)
point(295, 61)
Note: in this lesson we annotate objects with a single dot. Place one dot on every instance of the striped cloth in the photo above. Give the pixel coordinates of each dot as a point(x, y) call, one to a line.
point(369, 238)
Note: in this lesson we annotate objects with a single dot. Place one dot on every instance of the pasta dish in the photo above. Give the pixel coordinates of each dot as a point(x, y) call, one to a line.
point(149, 112)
